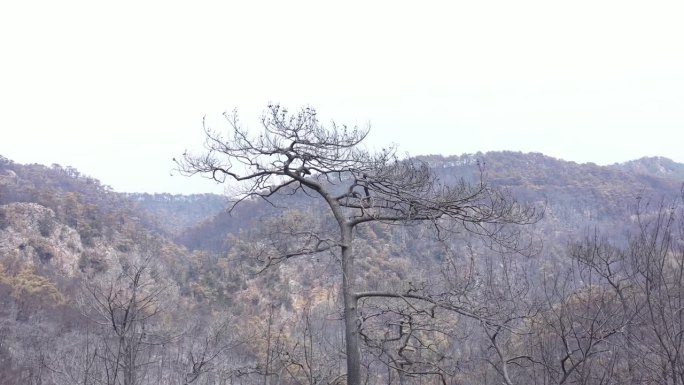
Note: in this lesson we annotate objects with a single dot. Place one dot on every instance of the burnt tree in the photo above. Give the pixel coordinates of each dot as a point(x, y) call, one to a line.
point(295, 153)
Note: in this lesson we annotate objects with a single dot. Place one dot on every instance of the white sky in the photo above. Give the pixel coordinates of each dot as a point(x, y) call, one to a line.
point(117, 89)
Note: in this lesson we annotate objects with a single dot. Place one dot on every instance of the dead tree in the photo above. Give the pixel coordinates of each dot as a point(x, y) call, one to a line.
point(126, 306)
point(295, 153)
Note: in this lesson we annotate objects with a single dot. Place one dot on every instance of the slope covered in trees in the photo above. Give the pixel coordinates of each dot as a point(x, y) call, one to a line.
point(95, 290)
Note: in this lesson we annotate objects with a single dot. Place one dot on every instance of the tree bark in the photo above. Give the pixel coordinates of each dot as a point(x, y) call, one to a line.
point(351, 315)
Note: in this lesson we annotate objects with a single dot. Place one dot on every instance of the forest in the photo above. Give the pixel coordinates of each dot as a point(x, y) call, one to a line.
point(334, 265)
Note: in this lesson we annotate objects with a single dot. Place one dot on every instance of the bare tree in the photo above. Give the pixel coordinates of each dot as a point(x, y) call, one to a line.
point(575, 335)
point(600, 263)
point(127, 306)
point(294, 153)
point(203, 346)
point(657, 255)
point(615, 314)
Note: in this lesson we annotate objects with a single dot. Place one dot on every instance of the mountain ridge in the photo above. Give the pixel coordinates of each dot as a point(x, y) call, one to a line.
point(66, 239)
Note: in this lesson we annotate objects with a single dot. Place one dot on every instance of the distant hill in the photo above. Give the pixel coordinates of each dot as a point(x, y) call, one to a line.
point(161, 213)
point(577, 196)
point(175, 212)
point(56, 217)
point(655, 166)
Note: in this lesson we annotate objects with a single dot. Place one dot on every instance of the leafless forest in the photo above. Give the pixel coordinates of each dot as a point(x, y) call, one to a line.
point(332, 264)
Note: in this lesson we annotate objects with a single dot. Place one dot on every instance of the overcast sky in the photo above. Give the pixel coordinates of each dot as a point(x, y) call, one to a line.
point(117, 89)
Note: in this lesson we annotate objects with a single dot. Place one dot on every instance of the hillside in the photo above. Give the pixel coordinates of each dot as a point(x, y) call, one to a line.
point(655, 166)
point(86, 272)
point(164, 214)
point(577, 197)
point(176, 213)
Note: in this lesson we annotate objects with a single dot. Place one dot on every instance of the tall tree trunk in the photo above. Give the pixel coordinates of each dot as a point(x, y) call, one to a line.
point(351, 315)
